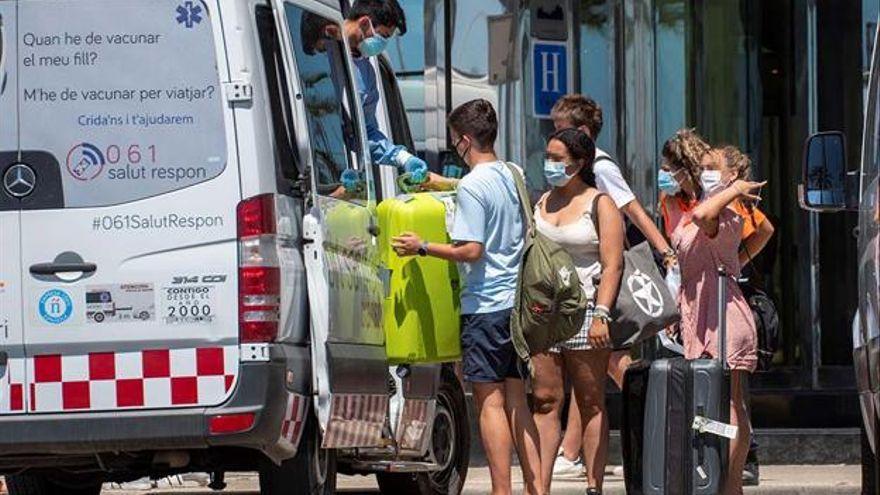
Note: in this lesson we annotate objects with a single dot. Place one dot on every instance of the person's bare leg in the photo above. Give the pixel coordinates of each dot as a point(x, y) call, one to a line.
point(548, 397)
point(573, 439)
point(618, 362)
point(495, 433)
point(739, 447)
point(587, 370)
point(526, 439)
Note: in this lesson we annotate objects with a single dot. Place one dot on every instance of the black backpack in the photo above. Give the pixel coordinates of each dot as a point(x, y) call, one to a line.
point(766, 322)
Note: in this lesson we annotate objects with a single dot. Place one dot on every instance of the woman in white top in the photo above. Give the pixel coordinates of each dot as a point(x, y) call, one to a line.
point(565, 215)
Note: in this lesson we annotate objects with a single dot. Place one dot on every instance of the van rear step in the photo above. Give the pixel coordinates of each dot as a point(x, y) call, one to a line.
point(394, 466)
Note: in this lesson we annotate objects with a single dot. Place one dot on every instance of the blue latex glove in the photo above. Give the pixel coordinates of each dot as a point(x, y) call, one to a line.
point(351, 180)
point(404, 160)
point(416, 168)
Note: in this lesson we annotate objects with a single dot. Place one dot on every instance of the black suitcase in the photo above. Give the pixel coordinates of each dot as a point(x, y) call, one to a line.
point(665, 451)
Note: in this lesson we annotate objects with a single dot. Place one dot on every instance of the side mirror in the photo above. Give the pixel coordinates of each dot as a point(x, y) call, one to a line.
point(824, 182)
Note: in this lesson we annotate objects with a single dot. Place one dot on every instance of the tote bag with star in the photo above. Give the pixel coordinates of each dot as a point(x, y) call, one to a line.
point(644, 304)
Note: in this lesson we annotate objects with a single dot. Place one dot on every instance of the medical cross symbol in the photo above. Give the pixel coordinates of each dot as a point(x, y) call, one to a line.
point(645, 294)
point(189, 14)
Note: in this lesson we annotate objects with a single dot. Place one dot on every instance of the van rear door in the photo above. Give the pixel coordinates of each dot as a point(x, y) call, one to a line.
point(128, 244)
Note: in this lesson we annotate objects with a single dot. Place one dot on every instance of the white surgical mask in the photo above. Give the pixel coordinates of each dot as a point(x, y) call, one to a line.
point(710, 181)
point(555, 174)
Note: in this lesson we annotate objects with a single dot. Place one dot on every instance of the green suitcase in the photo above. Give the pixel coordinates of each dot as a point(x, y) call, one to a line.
point(421, 310)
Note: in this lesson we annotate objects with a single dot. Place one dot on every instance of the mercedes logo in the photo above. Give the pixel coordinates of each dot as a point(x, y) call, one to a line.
point(19, 180)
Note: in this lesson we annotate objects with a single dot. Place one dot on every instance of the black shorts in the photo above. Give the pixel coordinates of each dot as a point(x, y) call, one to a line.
point(488, 353)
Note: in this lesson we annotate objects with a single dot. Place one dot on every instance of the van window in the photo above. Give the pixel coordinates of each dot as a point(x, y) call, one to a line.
point(126, 96)
point(325, 82)
point(286, 153)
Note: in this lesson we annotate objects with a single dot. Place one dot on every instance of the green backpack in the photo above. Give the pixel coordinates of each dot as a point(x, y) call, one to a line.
point(550, 305)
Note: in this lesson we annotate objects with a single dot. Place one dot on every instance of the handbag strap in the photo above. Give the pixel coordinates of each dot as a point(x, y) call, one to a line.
point(594, 212)
point(528, 219)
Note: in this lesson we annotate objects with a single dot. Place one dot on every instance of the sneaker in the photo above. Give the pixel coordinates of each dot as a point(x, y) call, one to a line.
point(142, 484)
point(169, 482)
point(751, 474)
point(566, 469)
point(196, 480)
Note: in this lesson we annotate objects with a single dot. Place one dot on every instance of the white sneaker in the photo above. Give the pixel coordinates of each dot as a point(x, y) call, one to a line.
point(196, 479)
point(169, 482)
point(141, 484)
point(565, 469)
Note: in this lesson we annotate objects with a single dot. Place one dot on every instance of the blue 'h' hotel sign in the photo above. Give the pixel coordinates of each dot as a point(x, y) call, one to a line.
point(549, 75)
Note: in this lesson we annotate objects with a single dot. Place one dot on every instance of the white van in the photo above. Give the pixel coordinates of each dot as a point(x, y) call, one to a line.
point(828, 185)
point(173, 165)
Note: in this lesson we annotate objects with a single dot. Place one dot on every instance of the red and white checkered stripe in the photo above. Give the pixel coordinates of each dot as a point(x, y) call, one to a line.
point(355, 421)
point(413, 425)
point(294, 418)
point(12, 395)
point(151, 378)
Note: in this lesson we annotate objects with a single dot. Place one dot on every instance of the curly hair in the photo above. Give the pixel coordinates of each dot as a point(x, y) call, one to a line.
point(737, 161)
point(581, 148)
point(579, 110)
point(685, 150)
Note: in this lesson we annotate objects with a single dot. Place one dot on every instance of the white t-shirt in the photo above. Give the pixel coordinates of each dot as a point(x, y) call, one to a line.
point(610, 181)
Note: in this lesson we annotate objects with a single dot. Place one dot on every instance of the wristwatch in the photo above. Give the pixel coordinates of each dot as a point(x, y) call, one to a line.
point(423, 249)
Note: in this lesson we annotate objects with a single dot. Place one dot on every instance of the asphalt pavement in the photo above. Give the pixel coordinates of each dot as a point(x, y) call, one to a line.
point(775, 480)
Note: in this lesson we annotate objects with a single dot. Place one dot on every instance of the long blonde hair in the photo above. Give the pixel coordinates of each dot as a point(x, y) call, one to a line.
point(685, 150)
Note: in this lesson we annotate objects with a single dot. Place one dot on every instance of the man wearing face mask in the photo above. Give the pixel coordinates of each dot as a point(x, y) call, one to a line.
point(368, 27)
point(488, 244)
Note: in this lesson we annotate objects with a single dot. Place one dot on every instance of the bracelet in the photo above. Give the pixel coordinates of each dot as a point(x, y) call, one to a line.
point(602, 313)
point(602, 317)
point(669, 253)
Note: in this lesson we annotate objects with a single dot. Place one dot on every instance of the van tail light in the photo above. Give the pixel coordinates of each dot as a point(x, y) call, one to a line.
point(259, 276)
point(230, 423)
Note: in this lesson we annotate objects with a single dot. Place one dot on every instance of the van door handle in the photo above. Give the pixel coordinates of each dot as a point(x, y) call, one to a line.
point(53, 268)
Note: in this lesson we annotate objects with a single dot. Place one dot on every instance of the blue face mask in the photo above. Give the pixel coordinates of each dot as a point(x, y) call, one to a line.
point(555, 174)
point(667, 183)
point(373, 45)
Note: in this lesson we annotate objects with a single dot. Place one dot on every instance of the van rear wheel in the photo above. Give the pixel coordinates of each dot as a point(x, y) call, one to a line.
point(450, 444)
point(312, 471)
point(35, 484)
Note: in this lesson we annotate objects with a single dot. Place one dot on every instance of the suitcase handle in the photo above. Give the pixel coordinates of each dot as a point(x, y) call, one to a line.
point(722, 317)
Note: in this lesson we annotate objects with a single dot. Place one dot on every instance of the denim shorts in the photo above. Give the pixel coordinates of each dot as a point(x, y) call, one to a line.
point(488, 353)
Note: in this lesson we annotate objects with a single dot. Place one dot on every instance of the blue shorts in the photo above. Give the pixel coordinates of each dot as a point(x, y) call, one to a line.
point(488, 353)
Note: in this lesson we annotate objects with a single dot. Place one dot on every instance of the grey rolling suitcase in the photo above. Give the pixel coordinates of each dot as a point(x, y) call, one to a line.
point(675, 432)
